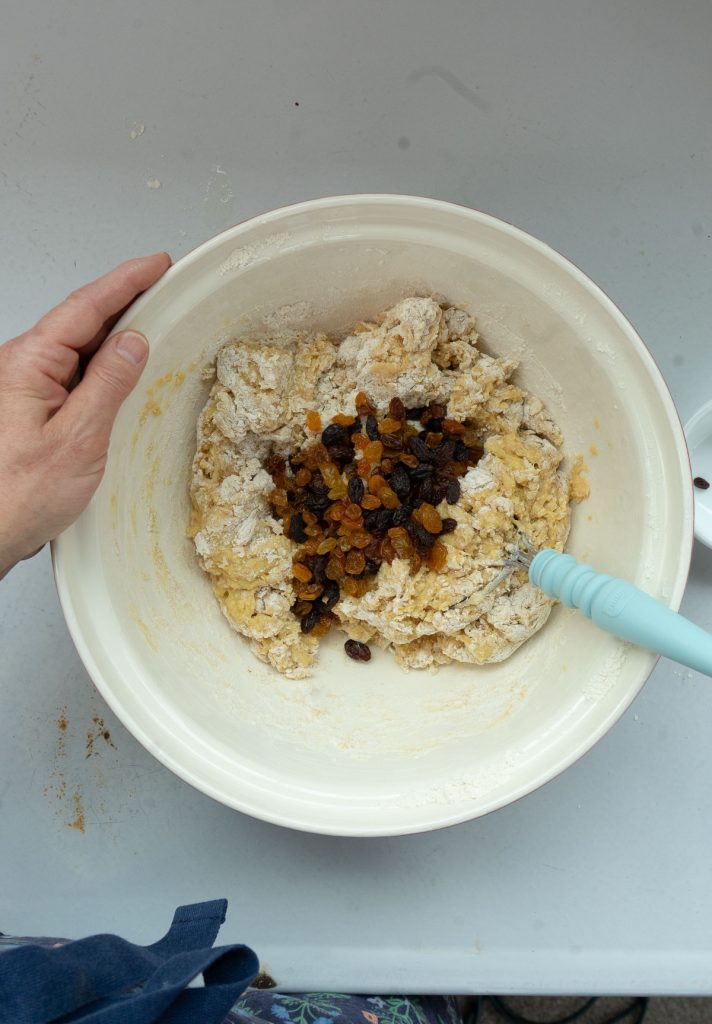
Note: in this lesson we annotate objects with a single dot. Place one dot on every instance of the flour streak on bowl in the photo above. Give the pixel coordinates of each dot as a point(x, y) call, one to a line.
point(370, 750)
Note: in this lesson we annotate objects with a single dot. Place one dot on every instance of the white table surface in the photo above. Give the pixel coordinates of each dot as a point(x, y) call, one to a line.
point(584, 123)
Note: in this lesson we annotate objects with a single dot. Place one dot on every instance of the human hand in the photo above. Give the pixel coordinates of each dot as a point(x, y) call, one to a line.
point(55, 440)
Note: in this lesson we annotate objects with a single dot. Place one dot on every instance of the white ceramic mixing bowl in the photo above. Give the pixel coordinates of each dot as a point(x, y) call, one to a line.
point(369, 749)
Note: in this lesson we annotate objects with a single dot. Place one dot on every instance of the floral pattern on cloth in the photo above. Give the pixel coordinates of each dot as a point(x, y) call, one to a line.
point(256, 1007)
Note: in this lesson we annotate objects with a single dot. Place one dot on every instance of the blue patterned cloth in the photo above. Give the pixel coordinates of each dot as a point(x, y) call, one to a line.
point(40, 977)
point(256, 1007)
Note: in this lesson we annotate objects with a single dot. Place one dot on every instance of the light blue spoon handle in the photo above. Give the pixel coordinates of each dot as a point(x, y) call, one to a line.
point(620, 608)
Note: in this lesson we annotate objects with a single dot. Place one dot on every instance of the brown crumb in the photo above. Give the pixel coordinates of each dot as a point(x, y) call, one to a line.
point(264, 980)
point(79, 822)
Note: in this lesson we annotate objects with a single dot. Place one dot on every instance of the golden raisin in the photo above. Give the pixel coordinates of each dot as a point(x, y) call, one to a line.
point(313, 531)
point(337, 491)
point(361, 539)
point(360, 440)
point(355, 563)
point(310, 591)
point(303, 477)
point(286, 525)
point(409, 460)
point(376, 483)
point(389, 498)
point(355, 588)
point(311, 545)
point(453, 427)
point(373, 450)
point(364, 405)
point(396, 409)
point(330, 473)
point(389, 426)
point(328, 544)
point(433, 440)
point(370, 501)
point(436, 558)
point(334, 570)
point(430, 518)
point(387, 466)
point(301, 572)
point(313, 420)
point(343, 420)
point(309, 518)
point(279, 498)
point(363, 468)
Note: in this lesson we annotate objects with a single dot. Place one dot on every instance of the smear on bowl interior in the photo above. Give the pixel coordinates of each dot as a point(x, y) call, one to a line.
point(371, 484)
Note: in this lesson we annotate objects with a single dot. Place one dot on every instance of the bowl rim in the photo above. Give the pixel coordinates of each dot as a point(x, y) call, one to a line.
point(432, 820)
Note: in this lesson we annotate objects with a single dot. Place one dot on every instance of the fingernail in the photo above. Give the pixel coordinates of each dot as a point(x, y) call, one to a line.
point(132, 347)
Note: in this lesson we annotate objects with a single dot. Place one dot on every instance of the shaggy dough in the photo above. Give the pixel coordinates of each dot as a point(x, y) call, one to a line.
point(422, 352)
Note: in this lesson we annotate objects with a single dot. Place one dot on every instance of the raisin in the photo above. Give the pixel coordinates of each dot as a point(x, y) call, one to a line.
point(415, 414)
point(453, 492)
point(318, 566)
point(400, 515)
point(427, 490)
point(422, 540)
point(310, 620)
point(356, 489)
point(389, 498)
point(357, 651)
point(372, 428)
point(364, 405)
point(444, 453)
point(421, 472)
point(400, 481)
point(313, 420)
point(453, 427)
point(297, 529)
point(434, 411)
point(371, 567)
point(341, 452)
point(355, 563)
point(449, 525)
point(396, 409)
point(701, 484)
point(420, 448)
point(389, 426)
point(334, 434)
point(392, 441)
point(462, 452)
point(430, 518)
point(435, 426)
point(301, 572)
point(331, 594)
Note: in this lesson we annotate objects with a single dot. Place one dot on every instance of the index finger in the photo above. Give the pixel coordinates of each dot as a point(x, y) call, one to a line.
point(81, 322)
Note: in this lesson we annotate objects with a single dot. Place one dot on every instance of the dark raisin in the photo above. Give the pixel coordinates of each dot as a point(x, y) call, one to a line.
point(317, 564)
point(334, 434)
point(297, 528)
point(331, 594)
point(393, 442)
point(401, 515)
point(421, 472)
point(341, 452)
point(427, 491)
point(435, 426)
point(371, 567)
point(422, 540)
point(453, 492)
point(445, 452)
point(475, 454)
point(384, 519)
point(317, 483)
point(396, 409)
point(420, 449)
point(462, 452)
point(400, 481)
point(369, 519)
point(415, 414)
point(701, 483)
point(317, 503)
point(372, 428)
point(449, 525)
point(439, 491)
point(356, 489)
point(357, 651)
point(310, 620)
point(434, 411)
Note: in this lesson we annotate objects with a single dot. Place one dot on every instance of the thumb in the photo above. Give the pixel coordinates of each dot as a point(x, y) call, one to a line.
point(109, 379)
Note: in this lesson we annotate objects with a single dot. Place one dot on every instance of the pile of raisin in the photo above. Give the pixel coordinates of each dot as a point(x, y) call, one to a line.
point(366, 493)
